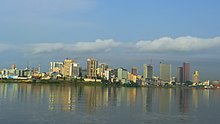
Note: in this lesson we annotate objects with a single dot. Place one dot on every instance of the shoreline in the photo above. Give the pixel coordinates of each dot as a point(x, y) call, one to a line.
point(84, 83)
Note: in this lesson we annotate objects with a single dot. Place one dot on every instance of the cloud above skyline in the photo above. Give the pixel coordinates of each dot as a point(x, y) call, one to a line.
point(164, 44)
point(180, 44)
point(98, 45)
point(46, 47)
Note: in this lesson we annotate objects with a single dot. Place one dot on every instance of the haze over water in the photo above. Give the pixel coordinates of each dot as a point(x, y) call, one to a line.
point(43, 103)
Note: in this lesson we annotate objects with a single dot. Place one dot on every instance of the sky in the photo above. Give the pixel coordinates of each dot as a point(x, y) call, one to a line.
point(121, 33)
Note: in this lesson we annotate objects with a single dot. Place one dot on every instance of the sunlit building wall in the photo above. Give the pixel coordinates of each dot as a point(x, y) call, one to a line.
point(186, 72)
point(165, 72)
point(92, 65)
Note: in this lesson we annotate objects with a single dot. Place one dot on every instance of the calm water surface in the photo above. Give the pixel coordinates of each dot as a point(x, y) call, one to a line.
point(70, 104)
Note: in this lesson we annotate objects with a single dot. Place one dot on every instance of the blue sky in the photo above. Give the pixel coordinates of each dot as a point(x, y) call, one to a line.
point(121, 33)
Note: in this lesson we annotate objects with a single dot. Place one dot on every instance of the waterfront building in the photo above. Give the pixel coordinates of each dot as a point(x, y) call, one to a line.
point(56, 67)
point(67, 67)
point(103, 67)
point(101, 70)
point(186, 72)
point(134, 70)
point(196, 78)
point(150, 72)
point(108, 73)
point(144, 72)
point(74, 70)
point(165, 72)
point(180, 74)
point(92, 65)
point(122, 75)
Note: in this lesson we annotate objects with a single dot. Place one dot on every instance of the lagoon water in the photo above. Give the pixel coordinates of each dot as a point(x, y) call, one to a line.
point(70, 104)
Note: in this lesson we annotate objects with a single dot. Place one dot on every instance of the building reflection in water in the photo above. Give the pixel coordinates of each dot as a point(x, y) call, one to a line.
point(164, 100)
point(206, 95)
point(195, 98)
point(183, 100)
point(68, 97)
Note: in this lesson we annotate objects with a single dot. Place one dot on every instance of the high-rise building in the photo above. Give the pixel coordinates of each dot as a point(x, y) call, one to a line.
point(134, 70)
point(186, 72)
point(56, 67)
point(101, 69)
point(165, 72)
point(180, 74)
point(92, 65)
point(150, 72)
point(122, 75)
point(196, 78)
point(67, 67)
point(145, 72)
point(74, 70)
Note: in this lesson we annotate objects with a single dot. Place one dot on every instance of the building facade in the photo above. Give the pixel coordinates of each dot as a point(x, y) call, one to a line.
point(134, 70)
point(92, 65)
point(196, 78)
point(186, 72)
point(165, 72)
point(150, 72)
point(180, 74)
point(56, 67)
point(144, 72)
point(67, 67)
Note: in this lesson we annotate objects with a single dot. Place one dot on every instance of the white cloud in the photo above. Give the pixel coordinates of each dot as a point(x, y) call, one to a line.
point(46, 47)
point(180, 44)
point(98, 45)
point(164, 44)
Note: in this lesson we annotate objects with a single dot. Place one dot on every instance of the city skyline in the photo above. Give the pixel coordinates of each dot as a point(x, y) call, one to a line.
point(113, 32)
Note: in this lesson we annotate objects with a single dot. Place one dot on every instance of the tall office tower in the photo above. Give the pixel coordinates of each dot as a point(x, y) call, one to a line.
point(56, 67)
point(103, 67)
point(74, 70)
point(186, 72)
point(134, 70)
point(92, 65)
point(150, 72)
point(196, 78)
point(145, 72)
point(67, 67)
point(180, 74)
point(165, 72)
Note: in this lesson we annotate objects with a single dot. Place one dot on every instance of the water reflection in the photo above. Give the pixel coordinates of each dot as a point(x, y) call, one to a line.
point(90, 99)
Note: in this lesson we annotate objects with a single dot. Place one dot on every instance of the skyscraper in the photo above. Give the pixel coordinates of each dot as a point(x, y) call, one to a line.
point(150, 71)
point(56, 67)
point(186, 72)
point(134, 70)
point(67, 67)
point(196, 78)
point(101, 70)
point(180, 74)
point(74, 70)
point(165, 72)
point(92, 65)
point(145, 72)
